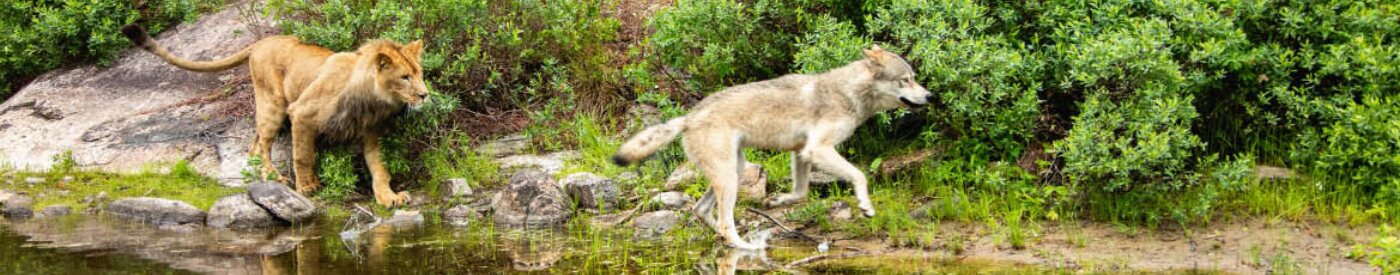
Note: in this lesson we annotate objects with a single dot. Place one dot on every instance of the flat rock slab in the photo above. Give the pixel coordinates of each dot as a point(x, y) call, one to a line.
point(591, 192)
point(240, 212)
point(551, 163)
point(56, 211)
point(531, 199)
point(674, 200)
point(138, 110)
point(655, 223)
point(156, 211)
point(282, 201)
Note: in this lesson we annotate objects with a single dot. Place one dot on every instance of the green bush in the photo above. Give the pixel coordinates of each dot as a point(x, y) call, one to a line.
point(723, 42)
point(44, 35)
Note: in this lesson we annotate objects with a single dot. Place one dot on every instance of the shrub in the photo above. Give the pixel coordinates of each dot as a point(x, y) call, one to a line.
point(44, 35)
point(723, 42)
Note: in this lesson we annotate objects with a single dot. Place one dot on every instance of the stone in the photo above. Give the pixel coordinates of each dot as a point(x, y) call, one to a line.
point(460, 215)
point(753, 184)
point(238, 211)
point(908, 161)
point(133, 111)
point(839, 211)
point(455, 188)
point(405, 217)
point(550, 164)
point(506, 146)
point(156, 211)
point(282, 201)
point(531, 198)
point(67, 179)
point(654, 224)
point(17, 207)
point(1266, 172)
point(34, 180)
point(56, 211)
point(684, 174)
point(591, 192)
point(674, 200)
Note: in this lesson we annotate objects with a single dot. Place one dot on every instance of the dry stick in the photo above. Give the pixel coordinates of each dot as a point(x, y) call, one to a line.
point(820, 257)
point(784, 227)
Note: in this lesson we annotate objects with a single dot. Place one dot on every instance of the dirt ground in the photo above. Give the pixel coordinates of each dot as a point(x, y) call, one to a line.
point(1246, 247)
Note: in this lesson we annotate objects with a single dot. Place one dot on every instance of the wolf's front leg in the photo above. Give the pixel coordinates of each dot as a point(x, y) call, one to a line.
point(382, 193)
point(829, 160)
point(801, 169)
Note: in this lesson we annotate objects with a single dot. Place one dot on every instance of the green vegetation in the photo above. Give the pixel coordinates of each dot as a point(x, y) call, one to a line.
point(176, 181)
point(43, 35)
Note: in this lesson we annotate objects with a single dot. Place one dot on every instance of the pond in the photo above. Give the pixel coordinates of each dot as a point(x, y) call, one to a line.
point(87, 244)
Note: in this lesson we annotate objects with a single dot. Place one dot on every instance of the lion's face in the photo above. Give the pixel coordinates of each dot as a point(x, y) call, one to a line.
point(401, 74)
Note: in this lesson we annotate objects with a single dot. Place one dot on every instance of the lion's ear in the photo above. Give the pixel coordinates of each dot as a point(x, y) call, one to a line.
point(385, 62)
point(413, 50)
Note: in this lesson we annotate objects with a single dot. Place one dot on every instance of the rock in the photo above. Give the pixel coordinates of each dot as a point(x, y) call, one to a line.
point(405, 217)
point(591, 192)
point(56, 211)
point(460, 215)
point(240, 212)
point(530, 199)
point(1266, 172)
point(282, 201)
point(34, 180)
point(133, 111)
point(753, 184)
point(67, 179)
point(674, 200)
point(655, 223)
point(16, 206)
point(684, 174)
point(94, 202)
point(5, 195)
point(629, 178)
point(551, 163)
point(156, 211)
point(607, 220)
point(455, 188)
point(907, 161)
point(839, 211)
point(505, 146)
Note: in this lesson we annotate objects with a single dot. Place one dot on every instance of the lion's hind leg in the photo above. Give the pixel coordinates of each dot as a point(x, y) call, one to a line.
point(269, 114)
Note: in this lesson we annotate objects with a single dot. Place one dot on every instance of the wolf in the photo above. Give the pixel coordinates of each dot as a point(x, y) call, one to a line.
point(807, 115)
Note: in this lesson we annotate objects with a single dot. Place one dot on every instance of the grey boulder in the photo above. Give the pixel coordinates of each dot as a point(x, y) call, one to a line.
point(282, 201)
point(591, 192)
point(156, 211)
point(240, 212)
point(531, 198)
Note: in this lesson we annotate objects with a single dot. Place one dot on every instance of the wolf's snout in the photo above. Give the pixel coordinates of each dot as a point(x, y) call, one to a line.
point(911, 103)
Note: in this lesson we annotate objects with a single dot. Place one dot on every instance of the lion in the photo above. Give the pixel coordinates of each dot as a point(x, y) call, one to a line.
point(330, 96)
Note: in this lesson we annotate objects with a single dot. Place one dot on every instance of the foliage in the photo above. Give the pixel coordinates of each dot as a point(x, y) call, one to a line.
point(42, 35)
point(699, 38)
point(1383, 252)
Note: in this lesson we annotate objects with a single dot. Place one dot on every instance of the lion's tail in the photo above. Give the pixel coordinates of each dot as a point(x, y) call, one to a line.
point(139, 36)
point(648, 142)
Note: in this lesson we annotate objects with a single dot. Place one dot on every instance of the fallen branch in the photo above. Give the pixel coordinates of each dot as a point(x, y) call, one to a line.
point(785, 227)
point(822, 257)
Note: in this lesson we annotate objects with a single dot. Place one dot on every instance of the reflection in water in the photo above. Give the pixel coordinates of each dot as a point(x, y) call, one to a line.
point(389, 247)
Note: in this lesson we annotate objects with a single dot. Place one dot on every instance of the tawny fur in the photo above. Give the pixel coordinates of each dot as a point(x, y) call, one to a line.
point(805, 114)
point(335, 97)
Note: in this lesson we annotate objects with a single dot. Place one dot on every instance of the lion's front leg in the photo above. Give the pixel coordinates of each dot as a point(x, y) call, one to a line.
point(380, 174)
point(304, 158)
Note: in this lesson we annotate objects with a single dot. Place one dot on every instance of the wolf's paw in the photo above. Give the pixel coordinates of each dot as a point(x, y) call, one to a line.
point(785, 199)
point(392, 199)
point(867, 209)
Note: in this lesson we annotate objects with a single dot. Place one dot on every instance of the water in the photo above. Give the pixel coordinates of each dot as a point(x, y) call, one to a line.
point(96, 244)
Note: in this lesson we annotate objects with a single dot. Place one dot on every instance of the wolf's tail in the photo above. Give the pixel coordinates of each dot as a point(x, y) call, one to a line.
point(648, 142)
point(139, 36)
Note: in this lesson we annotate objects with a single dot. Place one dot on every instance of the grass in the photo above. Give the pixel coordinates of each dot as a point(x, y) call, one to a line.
point(179, 182)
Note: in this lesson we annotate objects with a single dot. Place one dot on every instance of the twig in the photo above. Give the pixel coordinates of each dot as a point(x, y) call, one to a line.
point(821, 257)
point(628, 215)
point(784, 227)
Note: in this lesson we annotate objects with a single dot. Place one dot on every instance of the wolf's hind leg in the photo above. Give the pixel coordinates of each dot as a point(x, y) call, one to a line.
point(704, 209)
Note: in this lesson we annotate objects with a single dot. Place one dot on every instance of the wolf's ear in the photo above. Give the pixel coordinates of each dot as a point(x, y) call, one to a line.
point(875, 53)
point(413, 50)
